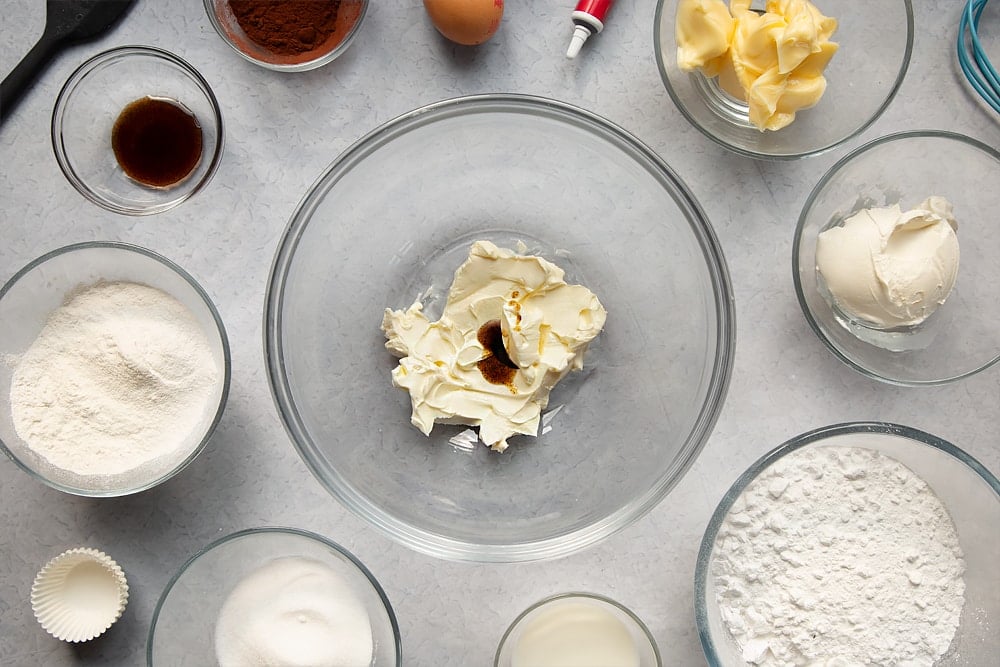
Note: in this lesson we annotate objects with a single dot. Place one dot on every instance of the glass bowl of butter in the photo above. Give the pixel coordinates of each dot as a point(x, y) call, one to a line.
point(894, 258)
point(499, 328)
point(782, 79)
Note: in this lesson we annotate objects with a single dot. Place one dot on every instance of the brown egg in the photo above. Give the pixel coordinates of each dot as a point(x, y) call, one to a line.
point(468, 22)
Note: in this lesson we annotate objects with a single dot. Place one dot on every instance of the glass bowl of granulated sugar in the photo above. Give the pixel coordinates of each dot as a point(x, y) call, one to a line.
point(274, 596)
point(854, 544)
point(114, 369)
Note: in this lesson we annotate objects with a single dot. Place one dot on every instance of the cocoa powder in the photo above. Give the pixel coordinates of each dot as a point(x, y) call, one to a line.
point(294, 30)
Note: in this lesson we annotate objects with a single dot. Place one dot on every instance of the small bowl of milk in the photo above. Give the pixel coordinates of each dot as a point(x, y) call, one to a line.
point(577, 630)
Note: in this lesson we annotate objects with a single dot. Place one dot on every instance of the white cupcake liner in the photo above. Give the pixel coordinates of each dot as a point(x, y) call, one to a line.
point(79, 594)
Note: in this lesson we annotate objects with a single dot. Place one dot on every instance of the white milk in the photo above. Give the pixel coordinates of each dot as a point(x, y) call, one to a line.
point(574, 633)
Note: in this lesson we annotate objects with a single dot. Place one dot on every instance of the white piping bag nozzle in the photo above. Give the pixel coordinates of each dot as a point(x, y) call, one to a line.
point(580, 36)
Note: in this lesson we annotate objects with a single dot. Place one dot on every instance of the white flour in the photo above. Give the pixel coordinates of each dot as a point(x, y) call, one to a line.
point(839, 557)
point(119, 378)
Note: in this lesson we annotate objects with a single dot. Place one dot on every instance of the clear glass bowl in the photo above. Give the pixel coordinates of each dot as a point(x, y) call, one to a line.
point(351, 14)
point(645, 645)
point(89, 104)
point(392, 219)
point(26, 302)
point(182, 631)
point(960, 338)
point(969, 492)
point(875, 38)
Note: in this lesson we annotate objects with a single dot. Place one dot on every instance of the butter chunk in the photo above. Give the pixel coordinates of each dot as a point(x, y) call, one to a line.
point(773, 60)
point(704, 29)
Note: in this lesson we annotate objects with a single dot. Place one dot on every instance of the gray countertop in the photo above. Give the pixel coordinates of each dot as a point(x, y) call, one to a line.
point(282, 131)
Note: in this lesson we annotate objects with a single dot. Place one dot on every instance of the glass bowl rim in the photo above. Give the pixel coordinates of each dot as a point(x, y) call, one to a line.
point(830, 174)
point(276, 530)
point(223, 339)
point(662, 69)
point(315, 63)
point(579, 594)
point(69, 88)
point(439, 545)
point(704, 558)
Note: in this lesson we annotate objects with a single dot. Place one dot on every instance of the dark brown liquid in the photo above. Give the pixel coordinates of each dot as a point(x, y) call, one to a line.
point(496, 366)
point(157, 141)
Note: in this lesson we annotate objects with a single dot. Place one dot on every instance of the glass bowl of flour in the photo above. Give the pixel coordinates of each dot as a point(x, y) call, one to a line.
point(860, 543)
point(114, 369)
point(274, 596)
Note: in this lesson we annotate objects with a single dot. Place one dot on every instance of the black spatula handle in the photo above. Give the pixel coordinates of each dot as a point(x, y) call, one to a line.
point(66, 22)
point(26, 72)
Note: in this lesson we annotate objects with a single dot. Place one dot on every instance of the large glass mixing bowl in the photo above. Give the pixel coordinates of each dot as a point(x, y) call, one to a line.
point(391, 220)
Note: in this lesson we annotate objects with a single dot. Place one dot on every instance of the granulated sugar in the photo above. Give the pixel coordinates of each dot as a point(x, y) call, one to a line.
point(293, 611)
point(839, 556)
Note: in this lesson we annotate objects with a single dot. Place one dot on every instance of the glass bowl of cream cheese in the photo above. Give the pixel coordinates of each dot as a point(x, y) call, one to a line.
point(782, 79)
point(499, 328)
point(273, 596)
point(894, 258)
point(857, 543)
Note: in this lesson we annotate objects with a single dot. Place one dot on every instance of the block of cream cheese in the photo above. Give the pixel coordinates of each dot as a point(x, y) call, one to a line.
point(510, 330)
point(773, 60)
point(890, 268)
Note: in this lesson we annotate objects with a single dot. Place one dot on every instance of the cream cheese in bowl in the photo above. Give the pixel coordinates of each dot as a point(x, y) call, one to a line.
point(510, 330)
point(890, 268)
point(894, 258)
point(388, 224)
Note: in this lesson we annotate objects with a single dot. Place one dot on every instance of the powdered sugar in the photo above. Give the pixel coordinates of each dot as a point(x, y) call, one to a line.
point(840, 557)
point(119, 382)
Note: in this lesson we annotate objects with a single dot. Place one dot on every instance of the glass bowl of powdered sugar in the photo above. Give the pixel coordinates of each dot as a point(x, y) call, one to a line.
point(274, 596)
point(854, 544)
point(114, 369)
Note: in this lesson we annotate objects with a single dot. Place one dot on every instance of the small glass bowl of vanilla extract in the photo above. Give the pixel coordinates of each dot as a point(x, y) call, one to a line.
point(137, 130)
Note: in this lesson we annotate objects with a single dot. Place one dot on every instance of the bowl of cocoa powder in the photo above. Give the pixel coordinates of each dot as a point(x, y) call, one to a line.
point(287, 35)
